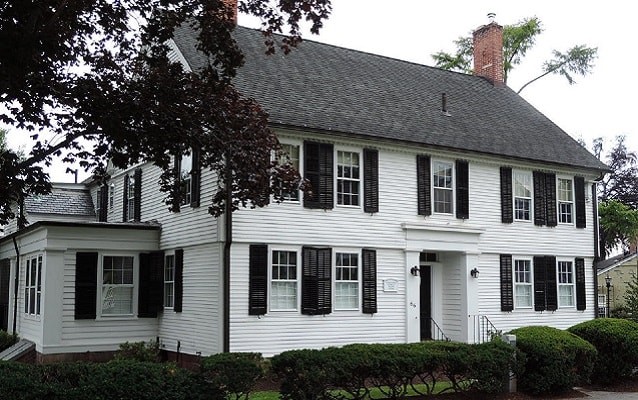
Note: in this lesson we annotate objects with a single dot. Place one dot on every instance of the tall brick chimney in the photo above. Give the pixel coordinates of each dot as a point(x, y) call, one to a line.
point(488, 52)
point(232, 4)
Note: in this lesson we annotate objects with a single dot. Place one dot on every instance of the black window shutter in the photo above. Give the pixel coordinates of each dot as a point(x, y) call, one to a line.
point(125, 199)
point(507, 211)
point(507, 289)
point(196, 180)
point(369, 276)
point(179, 280)
point(462, 190)
point(550, 197)
point(104, 203)
point(581, 297)
point(151, 284)
point(318, 169)
point(539, 199)
point(85, 285)
point(579, 189)
point(137, 201)
point(257, 279)
point(424, 197)
point(177, 185)
point(316, 283)
point(540, 272)
point(370, 180)
point(551, 287)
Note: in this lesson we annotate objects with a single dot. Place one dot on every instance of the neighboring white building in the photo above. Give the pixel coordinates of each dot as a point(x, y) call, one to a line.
point(443, 200)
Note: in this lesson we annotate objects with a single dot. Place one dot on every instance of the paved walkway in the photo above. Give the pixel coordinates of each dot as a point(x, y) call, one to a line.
point(596, 395)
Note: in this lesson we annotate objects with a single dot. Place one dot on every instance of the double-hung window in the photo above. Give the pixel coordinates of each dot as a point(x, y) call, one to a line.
point(111, 196)
point(347, 281)
point(33, 285)
point(169, 281)
point(130, 189)
point(185, 177)
point(523, 283)
point(283, 293)
point(565, 201)
point(117, 285)
point(290, 155)
point(522, 196)
point(443, 185)
point(566, 282)
point(348, 178)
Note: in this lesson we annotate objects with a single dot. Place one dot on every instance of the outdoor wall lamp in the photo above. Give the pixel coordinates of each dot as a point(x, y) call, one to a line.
point(474, 273)
point(414, 271)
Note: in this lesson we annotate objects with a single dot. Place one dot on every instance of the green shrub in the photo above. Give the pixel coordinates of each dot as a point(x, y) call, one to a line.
point(7, 340)
point(20, 381)
point(302, 374)
point(233, 374)
point(139, 351)
point(555, 360)
point(617, 343)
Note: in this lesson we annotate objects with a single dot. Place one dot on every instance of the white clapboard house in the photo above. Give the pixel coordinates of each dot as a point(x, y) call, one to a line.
point(446, 206)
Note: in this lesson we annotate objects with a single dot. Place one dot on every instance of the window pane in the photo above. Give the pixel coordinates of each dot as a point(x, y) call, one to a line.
point(283, 293)
point(523, 295)
point(443, 201)
point(522, 184)
point(348, 179)
point(566, 293)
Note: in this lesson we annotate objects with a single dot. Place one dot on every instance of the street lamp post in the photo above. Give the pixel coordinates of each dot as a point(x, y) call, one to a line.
point(608, 283)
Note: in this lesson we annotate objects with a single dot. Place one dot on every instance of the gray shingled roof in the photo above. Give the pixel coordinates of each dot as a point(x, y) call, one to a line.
point(329, 88)
point(62, 200)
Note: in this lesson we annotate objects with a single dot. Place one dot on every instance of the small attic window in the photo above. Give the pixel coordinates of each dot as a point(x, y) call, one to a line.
point(444, 109)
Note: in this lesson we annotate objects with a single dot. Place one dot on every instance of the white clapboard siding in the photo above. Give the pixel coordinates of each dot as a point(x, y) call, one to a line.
point(198, 326)
point(284, 330)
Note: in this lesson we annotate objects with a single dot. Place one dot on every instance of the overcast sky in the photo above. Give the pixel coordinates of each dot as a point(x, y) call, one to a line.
point(601, 104)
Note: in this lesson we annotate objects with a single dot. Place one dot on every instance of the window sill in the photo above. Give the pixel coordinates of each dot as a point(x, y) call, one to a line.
point(32, 317)
point(284, 311)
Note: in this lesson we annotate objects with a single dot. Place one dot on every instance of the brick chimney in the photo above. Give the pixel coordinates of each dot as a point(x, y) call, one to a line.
point(488, 52)
point(233, 5)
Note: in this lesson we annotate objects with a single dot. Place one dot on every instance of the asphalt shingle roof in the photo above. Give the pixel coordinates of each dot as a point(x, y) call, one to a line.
point(67, 201)
point(329, 88)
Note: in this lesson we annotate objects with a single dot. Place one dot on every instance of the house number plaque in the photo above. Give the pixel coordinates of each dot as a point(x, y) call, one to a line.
point(390, 285)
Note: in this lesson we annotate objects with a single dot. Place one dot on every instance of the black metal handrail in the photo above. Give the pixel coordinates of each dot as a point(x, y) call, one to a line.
point(484, 329)
point(437, 332)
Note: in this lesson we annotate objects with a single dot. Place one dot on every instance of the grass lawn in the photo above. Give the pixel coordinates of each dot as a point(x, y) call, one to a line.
point(375, 393)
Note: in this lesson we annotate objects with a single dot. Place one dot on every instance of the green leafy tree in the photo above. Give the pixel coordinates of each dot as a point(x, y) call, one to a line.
point(518, 39)
point(631, 298)
point(618, 225)
point(97, 76)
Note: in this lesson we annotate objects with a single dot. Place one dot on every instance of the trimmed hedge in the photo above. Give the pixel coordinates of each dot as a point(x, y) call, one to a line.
point(617, 343)
point(233, 375)
point(554, 360)
point(7, 340)
point(349, 372)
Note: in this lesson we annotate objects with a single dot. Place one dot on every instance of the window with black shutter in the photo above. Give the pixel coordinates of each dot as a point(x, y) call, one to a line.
point(196, 177)
point(103, 194)
point(507, 210)
point(257, 279)
point(318, 170)
point(369, 275)
point(579, 189)
point(137, 202)
point(550, 200)
point(125, 198)
point(540, 209)
point(151, 284)
point(424, 195)
point(462, 190)
point(507, 290)
point(581, 297)
point(545, 287)
point(316, 284)
point(179, 280)
point(85, 285)
point(370, 180)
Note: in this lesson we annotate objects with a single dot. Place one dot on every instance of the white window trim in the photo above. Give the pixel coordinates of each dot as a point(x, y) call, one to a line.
point(100, 284)
point(531, 198)
point(130, 199)
point(558, 201)
point(111, 196)
point(334, 277)
point(531, 283)
point(166, 255)
point(40, 271)
point(433, 188)
point(184, 178)
point(297, 250)
point(573, 284)
point(299, 144)
point(335, 163)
